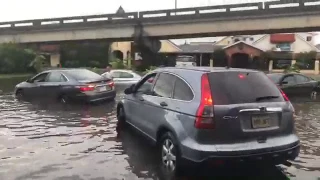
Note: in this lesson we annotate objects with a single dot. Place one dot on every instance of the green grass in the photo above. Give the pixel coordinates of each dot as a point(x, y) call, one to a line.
point(8, 76)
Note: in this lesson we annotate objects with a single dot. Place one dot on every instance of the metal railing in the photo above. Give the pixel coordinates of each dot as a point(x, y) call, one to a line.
point(236, 10)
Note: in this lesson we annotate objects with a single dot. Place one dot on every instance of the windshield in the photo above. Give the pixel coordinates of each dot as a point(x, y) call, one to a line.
point(242, 87)
point(83, 74)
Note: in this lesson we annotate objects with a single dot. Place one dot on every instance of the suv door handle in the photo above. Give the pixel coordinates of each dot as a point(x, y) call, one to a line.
point(163, 104)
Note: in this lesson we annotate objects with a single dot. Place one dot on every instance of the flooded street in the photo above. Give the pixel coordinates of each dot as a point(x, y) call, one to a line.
point(80, 142)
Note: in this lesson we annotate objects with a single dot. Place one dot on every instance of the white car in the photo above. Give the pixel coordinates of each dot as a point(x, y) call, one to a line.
point(185, 61)
point(123, 77)
point(185, 64)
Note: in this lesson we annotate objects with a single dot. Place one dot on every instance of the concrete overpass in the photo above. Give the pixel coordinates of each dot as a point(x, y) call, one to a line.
point(223, 20)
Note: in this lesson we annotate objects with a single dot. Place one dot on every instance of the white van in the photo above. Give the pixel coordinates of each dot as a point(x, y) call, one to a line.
point(185, 61)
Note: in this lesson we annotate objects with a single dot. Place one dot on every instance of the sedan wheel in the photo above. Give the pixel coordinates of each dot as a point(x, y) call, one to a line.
point(313, 95)
point(19, 94)
point(63, 100)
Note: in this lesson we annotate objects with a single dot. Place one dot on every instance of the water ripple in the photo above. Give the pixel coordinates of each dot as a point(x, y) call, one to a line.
point(80, 142)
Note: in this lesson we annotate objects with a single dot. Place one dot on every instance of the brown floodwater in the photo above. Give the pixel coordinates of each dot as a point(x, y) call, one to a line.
point(50, 141)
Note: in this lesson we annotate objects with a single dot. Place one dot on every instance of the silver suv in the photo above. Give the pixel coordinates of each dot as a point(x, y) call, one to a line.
point(219, 116)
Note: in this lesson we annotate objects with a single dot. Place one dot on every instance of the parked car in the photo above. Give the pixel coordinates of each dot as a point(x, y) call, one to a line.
point(185, 61)
point(66, 85)
point(211, 115)
point(124, 77)
point(296, 85)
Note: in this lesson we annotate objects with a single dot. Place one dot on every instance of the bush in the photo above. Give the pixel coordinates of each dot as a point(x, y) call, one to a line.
point(117, 64)
point(151, 68)
point(292, 68)
point(14, 59)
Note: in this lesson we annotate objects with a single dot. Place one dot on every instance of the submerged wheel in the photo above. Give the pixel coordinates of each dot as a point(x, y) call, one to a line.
point(313, 95)
point(19, 94)
point(63, 99)
point(121, 116)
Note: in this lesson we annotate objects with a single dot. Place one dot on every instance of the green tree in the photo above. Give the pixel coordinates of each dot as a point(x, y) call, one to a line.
point(39, 61)
point(14, 59)
point(306, 60)
point(220, 58)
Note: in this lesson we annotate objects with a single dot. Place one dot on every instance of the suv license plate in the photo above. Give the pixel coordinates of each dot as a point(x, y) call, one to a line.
point(262, 121)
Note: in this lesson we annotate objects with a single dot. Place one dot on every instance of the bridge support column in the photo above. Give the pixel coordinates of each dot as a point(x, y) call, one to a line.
point(147, 46)
point(270, 65)
point(54, 59)
point(316, 67)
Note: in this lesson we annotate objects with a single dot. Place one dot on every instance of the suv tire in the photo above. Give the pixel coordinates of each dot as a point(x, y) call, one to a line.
point(121, 116)
point(169, 156)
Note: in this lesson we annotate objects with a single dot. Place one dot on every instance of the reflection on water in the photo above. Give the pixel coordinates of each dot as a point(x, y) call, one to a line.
point(81, 142)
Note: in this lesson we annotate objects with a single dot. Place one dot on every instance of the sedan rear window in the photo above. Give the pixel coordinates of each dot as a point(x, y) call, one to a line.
point(243, 87)
point(83, 74)
point(275, 77)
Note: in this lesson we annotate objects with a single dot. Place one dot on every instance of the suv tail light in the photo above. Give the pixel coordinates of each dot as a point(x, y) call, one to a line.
point(87, 88)
point(205, 113)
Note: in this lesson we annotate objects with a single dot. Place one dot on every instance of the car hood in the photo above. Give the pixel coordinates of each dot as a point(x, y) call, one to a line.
point(22, 84)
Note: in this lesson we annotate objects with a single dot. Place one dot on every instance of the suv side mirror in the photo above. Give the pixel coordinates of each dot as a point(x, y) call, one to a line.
point(284, 82)
point(29, 81)
point(129, 90)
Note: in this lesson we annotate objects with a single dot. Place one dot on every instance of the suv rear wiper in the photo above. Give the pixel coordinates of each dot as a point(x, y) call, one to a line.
point(266, 97)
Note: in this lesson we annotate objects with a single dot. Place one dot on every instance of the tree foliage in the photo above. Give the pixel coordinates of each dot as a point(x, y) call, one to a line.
point(14, 59)
point(85, 54)
point(220, 58)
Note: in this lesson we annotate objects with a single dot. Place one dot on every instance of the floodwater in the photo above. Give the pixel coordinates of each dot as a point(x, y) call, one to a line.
point(79, 142)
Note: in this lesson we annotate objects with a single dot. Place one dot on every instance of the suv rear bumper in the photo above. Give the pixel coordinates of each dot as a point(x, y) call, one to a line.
point(274, 154)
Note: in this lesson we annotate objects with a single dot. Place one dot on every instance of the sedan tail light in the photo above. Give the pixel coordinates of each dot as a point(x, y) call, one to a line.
point(110, 83)
point(87, 88)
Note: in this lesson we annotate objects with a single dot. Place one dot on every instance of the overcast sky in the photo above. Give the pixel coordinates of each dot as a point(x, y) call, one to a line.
point(12, 10)
point(34, 9)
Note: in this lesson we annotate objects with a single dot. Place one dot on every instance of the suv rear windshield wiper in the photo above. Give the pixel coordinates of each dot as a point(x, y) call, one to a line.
point(266, 97)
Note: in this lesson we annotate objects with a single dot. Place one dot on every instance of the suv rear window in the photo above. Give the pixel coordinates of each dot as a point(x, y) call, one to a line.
point(242, 87)
point(83, 74)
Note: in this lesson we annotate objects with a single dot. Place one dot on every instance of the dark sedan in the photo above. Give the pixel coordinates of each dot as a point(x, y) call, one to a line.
point(66, 85)
point(296, 85)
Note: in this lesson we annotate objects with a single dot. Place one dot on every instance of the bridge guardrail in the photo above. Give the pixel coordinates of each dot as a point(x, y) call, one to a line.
point(66, 20)
point(168, 13)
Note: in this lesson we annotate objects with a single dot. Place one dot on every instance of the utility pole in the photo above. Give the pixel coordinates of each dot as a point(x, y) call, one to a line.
point(175, 6)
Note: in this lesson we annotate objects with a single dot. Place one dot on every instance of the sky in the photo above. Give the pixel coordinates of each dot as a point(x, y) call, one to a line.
point(13, 10)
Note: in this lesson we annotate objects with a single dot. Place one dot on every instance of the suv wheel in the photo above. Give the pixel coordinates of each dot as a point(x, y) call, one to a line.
point(121, 116)
point(169, 155)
